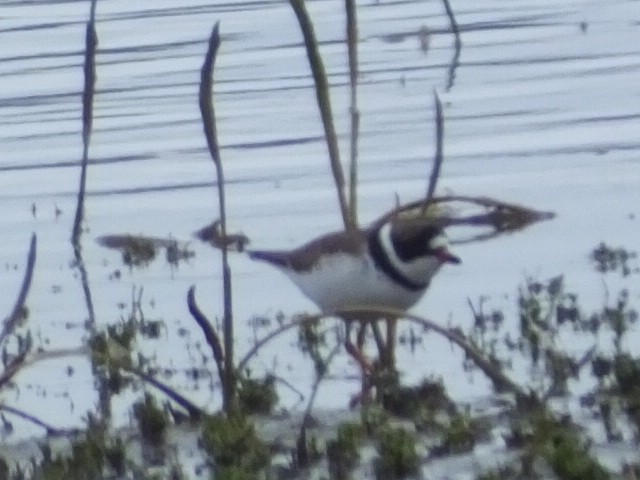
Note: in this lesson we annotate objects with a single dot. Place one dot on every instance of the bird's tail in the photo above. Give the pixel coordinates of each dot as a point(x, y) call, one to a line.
point(272, 257)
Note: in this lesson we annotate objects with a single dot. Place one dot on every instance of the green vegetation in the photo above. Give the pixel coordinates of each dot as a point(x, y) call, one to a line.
point(257, 396)
point(232, 444)
point(397, 456)
point(343, 452)
point(152, 420)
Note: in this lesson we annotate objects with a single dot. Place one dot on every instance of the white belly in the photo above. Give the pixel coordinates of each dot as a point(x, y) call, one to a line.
point(344, 281)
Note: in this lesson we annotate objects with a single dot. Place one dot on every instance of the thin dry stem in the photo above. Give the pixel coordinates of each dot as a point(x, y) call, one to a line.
point(352, 46)
point(209, 124)
point(324, 104)
point(91, 42)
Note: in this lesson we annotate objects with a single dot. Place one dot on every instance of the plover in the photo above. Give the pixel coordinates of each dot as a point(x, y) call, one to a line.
point(388, 265)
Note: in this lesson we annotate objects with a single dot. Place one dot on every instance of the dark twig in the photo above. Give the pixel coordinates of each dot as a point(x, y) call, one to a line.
point(437, 159)
point(454, 24)
point(324, 104)
point(210, 334)
point(9, 323)
point(455, 61)
point(352, 45)
point(51, 431)
point(209, 124)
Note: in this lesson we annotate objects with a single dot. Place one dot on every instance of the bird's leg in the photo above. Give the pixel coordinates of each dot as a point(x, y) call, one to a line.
point(386, 343)
point(361, 336)
point(384, 375)
point(377, 336)
point(381, 373)
point(390, 357)
point(356, 351)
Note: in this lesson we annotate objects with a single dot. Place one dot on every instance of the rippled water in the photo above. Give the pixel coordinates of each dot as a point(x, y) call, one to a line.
point(541, 109)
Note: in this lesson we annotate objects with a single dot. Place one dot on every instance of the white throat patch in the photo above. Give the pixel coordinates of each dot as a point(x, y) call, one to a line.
point(418, 270)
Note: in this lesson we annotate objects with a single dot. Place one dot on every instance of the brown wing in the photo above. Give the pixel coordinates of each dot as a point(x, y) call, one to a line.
point(304, 257)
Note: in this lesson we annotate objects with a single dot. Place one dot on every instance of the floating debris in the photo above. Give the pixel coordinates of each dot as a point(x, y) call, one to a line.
point(212, 234)
point(139, 250)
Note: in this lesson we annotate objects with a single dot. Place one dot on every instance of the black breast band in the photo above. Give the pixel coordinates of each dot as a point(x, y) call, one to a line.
point(382, 262)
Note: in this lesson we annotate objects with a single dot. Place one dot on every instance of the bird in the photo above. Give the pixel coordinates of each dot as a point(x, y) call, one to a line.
point(388, 265)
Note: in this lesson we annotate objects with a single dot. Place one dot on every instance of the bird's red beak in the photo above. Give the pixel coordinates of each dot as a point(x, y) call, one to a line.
point(445, 256)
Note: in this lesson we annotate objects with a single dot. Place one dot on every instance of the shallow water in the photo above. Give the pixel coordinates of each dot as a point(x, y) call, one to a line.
point(541, 110)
